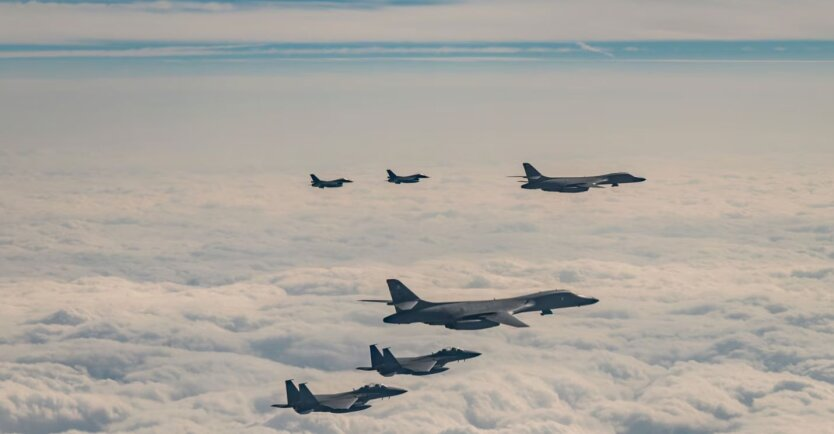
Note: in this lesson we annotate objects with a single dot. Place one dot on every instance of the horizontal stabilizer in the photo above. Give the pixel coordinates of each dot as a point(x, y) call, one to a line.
point(505, 318)
point(388, 302)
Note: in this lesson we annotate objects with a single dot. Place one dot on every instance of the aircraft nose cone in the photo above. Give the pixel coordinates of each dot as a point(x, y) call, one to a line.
point(640, 179)
point(472, 354)
point(593, 300)
point(396, 391)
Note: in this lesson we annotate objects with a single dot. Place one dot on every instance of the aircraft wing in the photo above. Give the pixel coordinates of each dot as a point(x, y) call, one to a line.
point(420, 365)
point(594, 184)
point(339, 402)
point(505, 318)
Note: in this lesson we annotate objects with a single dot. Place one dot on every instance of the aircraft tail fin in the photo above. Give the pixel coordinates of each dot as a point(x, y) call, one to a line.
point(376, 356)
point(531, 171)
point(389, 358)
point(314, 178)
point(304, 394)
point(401, 296)
point(391, 173)
point(292, 392)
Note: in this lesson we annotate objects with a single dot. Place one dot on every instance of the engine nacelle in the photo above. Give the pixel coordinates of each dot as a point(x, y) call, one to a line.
point(473, 324)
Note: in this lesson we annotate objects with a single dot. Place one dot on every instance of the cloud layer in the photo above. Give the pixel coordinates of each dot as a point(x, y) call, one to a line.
point(172, 301)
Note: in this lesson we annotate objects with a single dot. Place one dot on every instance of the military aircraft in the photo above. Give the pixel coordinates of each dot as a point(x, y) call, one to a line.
point(474, 315)
point(387, 365)
point(535, 180)
point(410, 179)
point(303, 401)
point(336, 183)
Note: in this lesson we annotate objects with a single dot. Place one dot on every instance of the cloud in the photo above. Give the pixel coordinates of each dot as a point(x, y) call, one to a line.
point(704, 337)
point(592, 49)
point(155, 279)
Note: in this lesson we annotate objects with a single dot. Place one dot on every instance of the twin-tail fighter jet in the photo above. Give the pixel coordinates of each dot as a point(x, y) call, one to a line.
point(387, 365)
point(410, 179)
point(474, 315)
point(335, 183)
point(303, 401)
point(536, 181)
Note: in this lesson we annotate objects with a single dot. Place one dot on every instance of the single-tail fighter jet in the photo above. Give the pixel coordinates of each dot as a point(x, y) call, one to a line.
point(387, 365)
point(410, 179)
point(335, 183)
point(303, 401)
point(537, 181)
point(474, 315)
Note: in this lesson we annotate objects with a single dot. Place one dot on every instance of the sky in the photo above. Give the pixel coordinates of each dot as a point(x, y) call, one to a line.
point(165, 265)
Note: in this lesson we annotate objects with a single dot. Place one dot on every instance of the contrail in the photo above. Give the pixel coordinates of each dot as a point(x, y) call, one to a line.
point(593, 49)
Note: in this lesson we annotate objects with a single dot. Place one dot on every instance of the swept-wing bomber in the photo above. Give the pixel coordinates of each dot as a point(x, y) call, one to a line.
point(536, 181)
point(474, 315)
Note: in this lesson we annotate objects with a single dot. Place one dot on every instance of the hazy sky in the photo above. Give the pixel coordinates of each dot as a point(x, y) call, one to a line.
point(165, 266)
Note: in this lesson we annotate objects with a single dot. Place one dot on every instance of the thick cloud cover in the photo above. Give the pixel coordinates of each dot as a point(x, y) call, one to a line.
point(161, 301)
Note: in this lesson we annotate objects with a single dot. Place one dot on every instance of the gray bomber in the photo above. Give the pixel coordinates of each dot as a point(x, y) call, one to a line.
point(410, 179)
point(387, 365)
point(537, 181)
point(474, 315)
point(335, 183)
point(303, 401)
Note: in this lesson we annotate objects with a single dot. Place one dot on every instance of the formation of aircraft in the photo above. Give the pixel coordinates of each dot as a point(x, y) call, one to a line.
point(474, 315)
point(303, 401)
point(536, 181)
point(387, 365)
point(455, 315)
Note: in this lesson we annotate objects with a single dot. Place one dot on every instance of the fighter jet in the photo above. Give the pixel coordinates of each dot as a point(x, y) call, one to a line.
point(474, 315)
point(303, 401)
point(410, 179)
point(536, 180)
point(387, 365)
point(336, 183)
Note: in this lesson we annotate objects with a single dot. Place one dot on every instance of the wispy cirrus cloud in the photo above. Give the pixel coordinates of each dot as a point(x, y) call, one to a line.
point(412, 21)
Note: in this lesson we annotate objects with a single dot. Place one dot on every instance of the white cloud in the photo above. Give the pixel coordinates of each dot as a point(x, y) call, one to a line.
point(221, 285)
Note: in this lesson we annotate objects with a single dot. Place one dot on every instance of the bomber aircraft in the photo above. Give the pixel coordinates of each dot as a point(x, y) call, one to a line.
point(536, 181)
point(335, 183)
point(387, 365)
point(303, 401)
point(474, 315)
point(410, 179)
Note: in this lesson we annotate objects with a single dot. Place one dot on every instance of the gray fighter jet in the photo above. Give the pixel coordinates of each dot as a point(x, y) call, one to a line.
point(474, 315)
point(303, 401)
point(410, 179)
point(387, 365)
point(336, 183)
point(537, 181)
